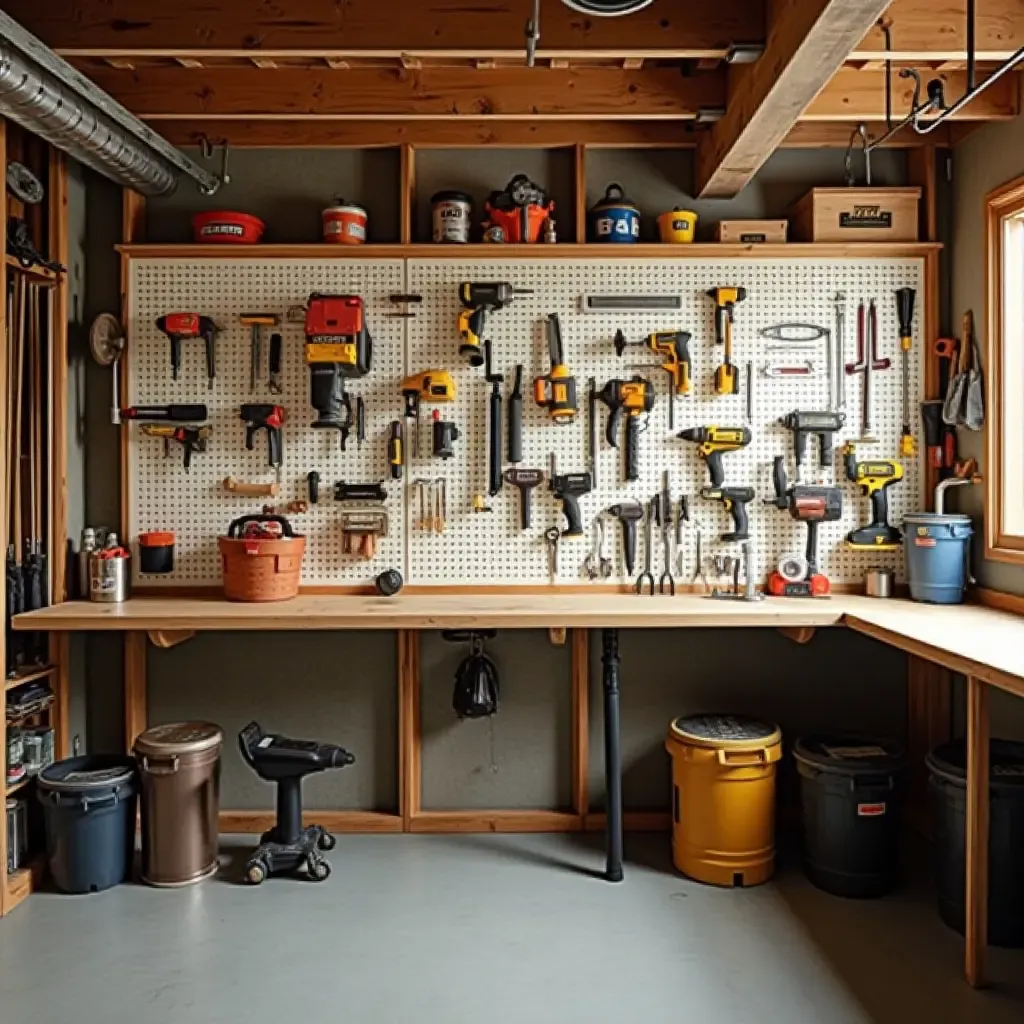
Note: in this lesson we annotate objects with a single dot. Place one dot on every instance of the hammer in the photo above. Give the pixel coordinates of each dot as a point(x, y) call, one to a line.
point(525, 480)
point(628, 513)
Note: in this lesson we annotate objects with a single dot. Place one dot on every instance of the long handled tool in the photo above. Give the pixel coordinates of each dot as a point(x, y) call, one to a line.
point(905, 315)
point(725, 299)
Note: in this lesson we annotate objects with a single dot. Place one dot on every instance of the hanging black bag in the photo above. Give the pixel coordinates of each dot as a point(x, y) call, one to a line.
point(476, 683)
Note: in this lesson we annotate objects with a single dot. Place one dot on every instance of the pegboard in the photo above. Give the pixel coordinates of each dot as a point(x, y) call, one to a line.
point(489, 548)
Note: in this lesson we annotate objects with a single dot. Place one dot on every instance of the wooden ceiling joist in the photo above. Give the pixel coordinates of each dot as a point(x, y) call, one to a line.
point(807, 43)
point(431, 93)
point(195, 27)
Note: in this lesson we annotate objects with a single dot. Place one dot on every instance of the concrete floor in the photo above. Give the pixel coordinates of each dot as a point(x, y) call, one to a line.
point(500, 929)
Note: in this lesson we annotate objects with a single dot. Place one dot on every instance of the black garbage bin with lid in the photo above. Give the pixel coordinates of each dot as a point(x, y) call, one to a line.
point(947, 792)
point(89, 808)
point(851, 793)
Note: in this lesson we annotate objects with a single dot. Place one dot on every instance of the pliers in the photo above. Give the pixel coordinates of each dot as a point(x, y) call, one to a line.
point(663, 514)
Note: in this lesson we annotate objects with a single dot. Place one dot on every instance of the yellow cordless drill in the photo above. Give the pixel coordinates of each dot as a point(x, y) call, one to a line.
point(727, 380)
point(874, 479)
point(479, 298)
point(714, 443)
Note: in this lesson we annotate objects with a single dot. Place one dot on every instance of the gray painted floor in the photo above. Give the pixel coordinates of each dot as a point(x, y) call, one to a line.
point(490, 928)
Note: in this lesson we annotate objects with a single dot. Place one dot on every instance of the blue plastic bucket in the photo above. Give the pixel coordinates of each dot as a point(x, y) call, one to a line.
point(615, 219)
point(937, 548)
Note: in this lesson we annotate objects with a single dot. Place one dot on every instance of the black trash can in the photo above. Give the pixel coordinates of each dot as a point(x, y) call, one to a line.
point(947, 791)
point(851, 790)
point(89, 807)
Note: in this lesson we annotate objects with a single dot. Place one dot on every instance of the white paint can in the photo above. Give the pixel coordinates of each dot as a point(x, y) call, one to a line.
point(453, 214)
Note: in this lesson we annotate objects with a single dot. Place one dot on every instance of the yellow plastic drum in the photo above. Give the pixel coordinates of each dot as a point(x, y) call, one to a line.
point(723, 797)
point(677, 226)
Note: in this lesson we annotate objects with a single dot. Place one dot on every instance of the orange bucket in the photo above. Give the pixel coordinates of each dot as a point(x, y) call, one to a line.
point(344, 223)
point(260, 563)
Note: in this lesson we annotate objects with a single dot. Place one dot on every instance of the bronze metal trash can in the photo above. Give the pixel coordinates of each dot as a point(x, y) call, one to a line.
point(179, 766)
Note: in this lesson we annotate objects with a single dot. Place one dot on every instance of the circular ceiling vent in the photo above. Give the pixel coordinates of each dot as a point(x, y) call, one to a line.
point(606, 8)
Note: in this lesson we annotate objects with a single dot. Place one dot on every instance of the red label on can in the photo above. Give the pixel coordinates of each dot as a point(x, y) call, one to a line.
point(924, 542)
point(870, 810)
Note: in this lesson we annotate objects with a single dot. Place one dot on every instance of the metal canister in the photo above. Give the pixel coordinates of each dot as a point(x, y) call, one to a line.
point(614, 218)
point(344, 223)
point(452, 216)
point(179, 765)
point(879, 582)
point(109, 577)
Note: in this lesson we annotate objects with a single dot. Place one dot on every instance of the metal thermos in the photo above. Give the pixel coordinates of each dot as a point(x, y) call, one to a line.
point(110, 575)
point(179, 766)
point(879, 582)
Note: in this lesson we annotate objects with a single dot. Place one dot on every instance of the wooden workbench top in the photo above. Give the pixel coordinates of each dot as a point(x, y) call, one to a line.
point(434, 611)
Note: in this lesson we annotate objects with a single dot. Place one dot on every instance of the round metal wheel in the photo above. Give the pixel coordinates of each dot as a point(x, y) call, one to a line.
point(319, 870)
point(326, 841)
point(255, 873)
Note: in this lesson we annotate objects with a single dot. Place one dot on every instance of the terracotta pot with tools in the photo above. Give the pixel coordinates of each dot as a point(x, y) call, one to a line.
point(261, 558)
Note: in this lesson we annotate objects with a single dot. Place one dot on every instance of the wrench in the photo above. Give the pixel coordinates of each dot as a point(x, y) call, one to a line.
point(552, 536)
point(698, 568)
point(647, 575)
point(597, 565)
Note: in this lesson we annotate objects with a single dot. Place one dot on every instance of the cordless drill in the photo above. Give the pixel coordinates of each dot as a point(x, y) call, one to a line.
point(810, 505)
point(714, 443)
point(181, 327)
point(338, 347)
point(630, 398)
point(428, 386)
point(727, 380)
point(674, 347)
point(874, 479)
point(821, 424)
point(556, 391)
point(269, 418)
point(479, 298)
point(568, 488)
point(735, 500)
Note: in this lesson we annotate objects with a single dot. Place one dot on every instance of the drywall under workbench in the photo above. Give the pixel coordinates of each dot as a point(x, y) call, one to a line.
point(652, 691)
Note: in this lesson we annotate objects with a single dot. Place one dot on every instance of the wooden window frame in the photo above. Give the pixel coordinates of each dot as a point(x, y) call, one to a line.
point(1003, 202)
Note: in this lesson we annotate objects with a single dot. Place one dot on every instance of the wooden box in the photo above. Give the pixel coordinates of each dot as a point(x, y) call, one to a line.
point(741, 232)
point(857, 215)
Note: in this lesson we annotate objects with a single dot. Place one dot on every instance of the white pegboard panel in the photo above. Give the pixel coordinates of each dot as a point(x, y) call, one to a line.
point(194, 505)
point(489, 548)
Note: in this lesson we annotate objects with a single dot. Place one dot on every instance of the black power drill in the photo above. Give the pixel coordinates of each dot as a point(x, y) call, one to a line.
point(479, 298)
point(270, 418)
point(181, 327)
point(735, 500)
point(568, 488)
point(821, 424)
point(810, 505)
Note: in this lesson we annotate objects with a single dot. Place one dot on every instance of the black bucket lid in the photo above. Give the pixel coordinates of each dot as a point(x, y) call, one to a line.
point(451, 195)
point(733, 731)
point(87, 774)
point(1006, 762)
point(851, 754)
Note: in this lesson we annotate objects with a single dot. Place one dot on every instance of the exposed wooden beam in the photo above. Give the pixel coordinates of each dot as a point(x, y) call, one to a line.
point(807, 43)
point(397, 26)
point(559, 63)
point(189, 62)
point(432, 93)
point(264, 62)
point(632, 63)
point(923, 29)
point(854, 95)
point(463, 132)
point(121, 63)
point(337, 64)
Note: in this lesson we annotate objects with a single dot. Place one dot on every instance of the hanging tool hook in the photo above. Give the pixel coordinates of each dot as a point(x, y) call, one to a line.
point(533, 34)
point(224, 178)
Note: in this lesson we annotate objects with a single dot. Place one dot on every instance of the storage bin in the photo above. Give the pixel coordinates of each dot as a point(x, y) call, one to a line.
point(179, 767)
point(89, 811)
point(723, 797)
point(743, 232)
point(947, 792)
point(261, 568)
point(856, 215)
point(937, 549)
point(851, 796)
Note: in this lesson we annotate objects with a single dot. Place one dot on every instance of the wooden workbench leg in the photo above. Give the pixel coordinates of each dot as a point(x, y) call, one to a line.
point(134, 687)
point(976, 922)
point(409, 758)
point(612, 756)
point(580, 722)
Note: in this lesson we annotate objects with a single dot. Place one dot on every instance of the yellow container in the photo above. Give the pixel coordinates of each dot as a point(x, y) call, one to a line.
point(723, 797)
point(677, 226)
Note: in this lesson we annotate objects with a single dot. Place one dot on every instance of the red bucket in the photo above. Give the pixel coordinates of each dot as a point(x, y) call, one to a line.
point(227, 227)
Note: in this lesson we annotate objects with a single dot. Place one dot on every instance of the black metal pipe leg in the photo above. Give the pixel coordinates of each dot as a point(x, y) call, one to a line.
point(612, 756)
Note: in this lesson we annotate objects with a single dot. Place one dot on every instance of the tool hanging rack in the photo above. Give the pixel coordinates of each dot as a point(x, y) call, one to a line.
point(488, 548)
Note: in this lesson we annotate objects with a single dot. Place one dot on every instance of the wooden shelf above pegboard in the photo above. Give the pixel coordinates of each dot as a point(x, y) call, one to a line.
point(567, 250)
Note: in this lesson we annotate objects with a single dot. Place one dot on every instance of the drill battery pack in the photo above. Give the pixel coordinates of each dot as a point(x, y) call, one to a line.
point(336, 333)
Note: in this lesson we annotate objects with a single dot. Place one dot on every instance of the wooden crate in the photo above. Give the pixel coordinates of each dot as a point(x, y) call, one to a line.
point(856, 215)
point(739, 232)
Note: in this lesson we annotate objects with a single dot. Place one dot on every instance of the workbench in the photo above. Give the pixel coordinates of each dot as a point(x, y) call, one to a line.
point(984, 644)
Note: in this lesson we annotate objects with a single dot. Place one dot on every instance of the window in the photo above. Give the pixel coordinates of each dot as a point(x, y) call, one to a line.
point(1004, 316)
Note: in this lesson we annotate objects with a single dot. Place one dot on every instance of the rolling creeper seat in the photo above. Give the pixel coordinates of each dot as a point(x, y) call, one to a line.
point(288, 846)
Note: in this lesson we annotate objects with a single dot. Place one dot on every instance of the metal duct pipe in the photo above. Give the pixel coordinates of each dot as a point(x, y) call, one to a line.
point(47, 96)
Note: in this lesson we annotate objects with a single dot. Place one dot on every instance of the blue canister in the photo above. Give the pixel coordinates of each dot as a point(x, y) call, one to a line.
point(614, 218)
point(937, 548)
